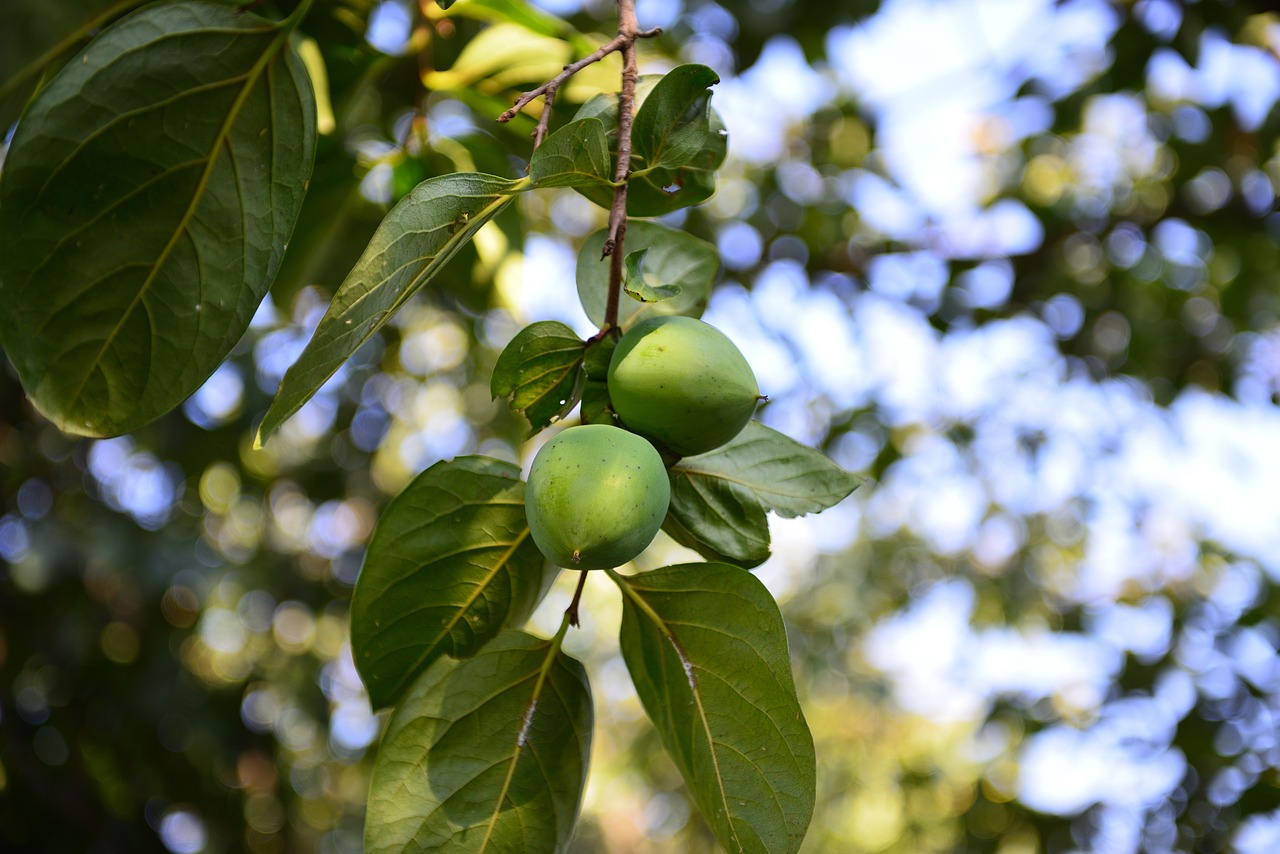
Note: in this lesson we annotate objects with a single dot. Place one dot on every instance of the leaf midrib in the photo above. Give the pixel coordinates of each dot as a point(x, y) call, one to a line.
point(688, 667)
point(448, 626)
point(321, 355)
point(220, 140)
point(526, 723)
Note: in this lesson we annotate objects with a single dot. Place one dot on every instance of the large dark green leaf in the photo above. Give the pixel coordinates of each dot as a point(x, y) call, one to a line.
point(541, 371)
point(450, 563)
point(707, 650)
point(673, 258)
point(413, 243)
point(576, 155)
point(485, 755)
point(35, 33)
point(719, 499)
point(145, 205)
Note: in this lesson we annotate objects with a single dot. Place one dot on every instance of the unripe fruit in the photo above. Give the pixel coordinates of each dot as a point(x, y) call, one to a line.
point(681, 382)
point(596, 497)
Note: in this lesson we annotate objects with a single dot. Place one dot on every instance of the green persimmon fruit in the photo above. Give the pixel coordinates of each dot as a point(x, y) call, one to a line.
point(681, 382)
point(596, 497)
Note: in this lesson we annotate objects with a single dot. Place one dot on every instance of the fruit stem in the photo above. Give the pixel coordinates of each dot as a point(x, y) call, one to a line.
point(571, 613)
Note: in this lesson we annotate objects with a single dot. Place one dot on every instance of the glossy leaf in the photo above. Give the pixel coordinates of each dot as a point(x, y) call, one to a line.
point(450, 563)
point(673, 258)
point(680, 135)
point(147, 198)
point(638, 286)
point(718, 522)
point(719, 499)
point(672, 127)
point(541, 371)
point(485, 755)
point(707, 651)
point(415, 240)
point(664, 191)
point(576, 155)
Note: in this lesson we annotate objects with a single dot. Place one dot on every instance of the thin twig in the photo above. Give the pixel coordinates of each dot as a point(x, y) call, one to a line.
point(625, 42)
point(617, 43)
point(550, 87)
point(572, 610)
point(544, 120)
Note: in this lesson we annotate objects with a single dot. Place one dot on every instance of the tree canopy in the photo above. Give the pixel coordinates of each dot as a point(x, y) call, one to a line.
point(1014, 264)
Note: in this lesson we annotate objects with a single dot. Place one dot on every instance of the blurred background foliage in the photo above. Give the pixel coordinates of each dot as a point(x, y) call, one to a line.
point(1016, 260)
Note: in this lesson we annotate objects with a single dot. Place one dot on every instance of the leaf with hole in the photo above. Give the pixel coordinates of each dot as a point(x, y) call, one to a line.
point(450, 563)
point(485, 755)
point(707, 651)
point(674, 258)
point(719, 500)
point(413, 243)
point(576, 155)
point(541, 371)
point(146, 201)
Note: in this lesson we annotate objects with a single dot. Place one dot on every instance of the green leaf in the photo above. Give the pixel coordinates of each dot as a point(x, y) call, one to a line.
point(707, 651)
point(413, 243)
point(679, 141)
point(659, 192)
point(673, 127)
point(450, 563)
point(541, 371)
point(485, 755)
point(674, 258)
point(719, 499)
point(35, 33)
point(637, 286)
point(145, 205)
point(719, 522)
point(576, 155)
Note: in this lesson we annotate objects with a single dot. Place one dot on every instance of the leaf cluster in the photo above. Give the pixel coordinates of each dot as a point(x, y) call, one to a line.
point(148, 198)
